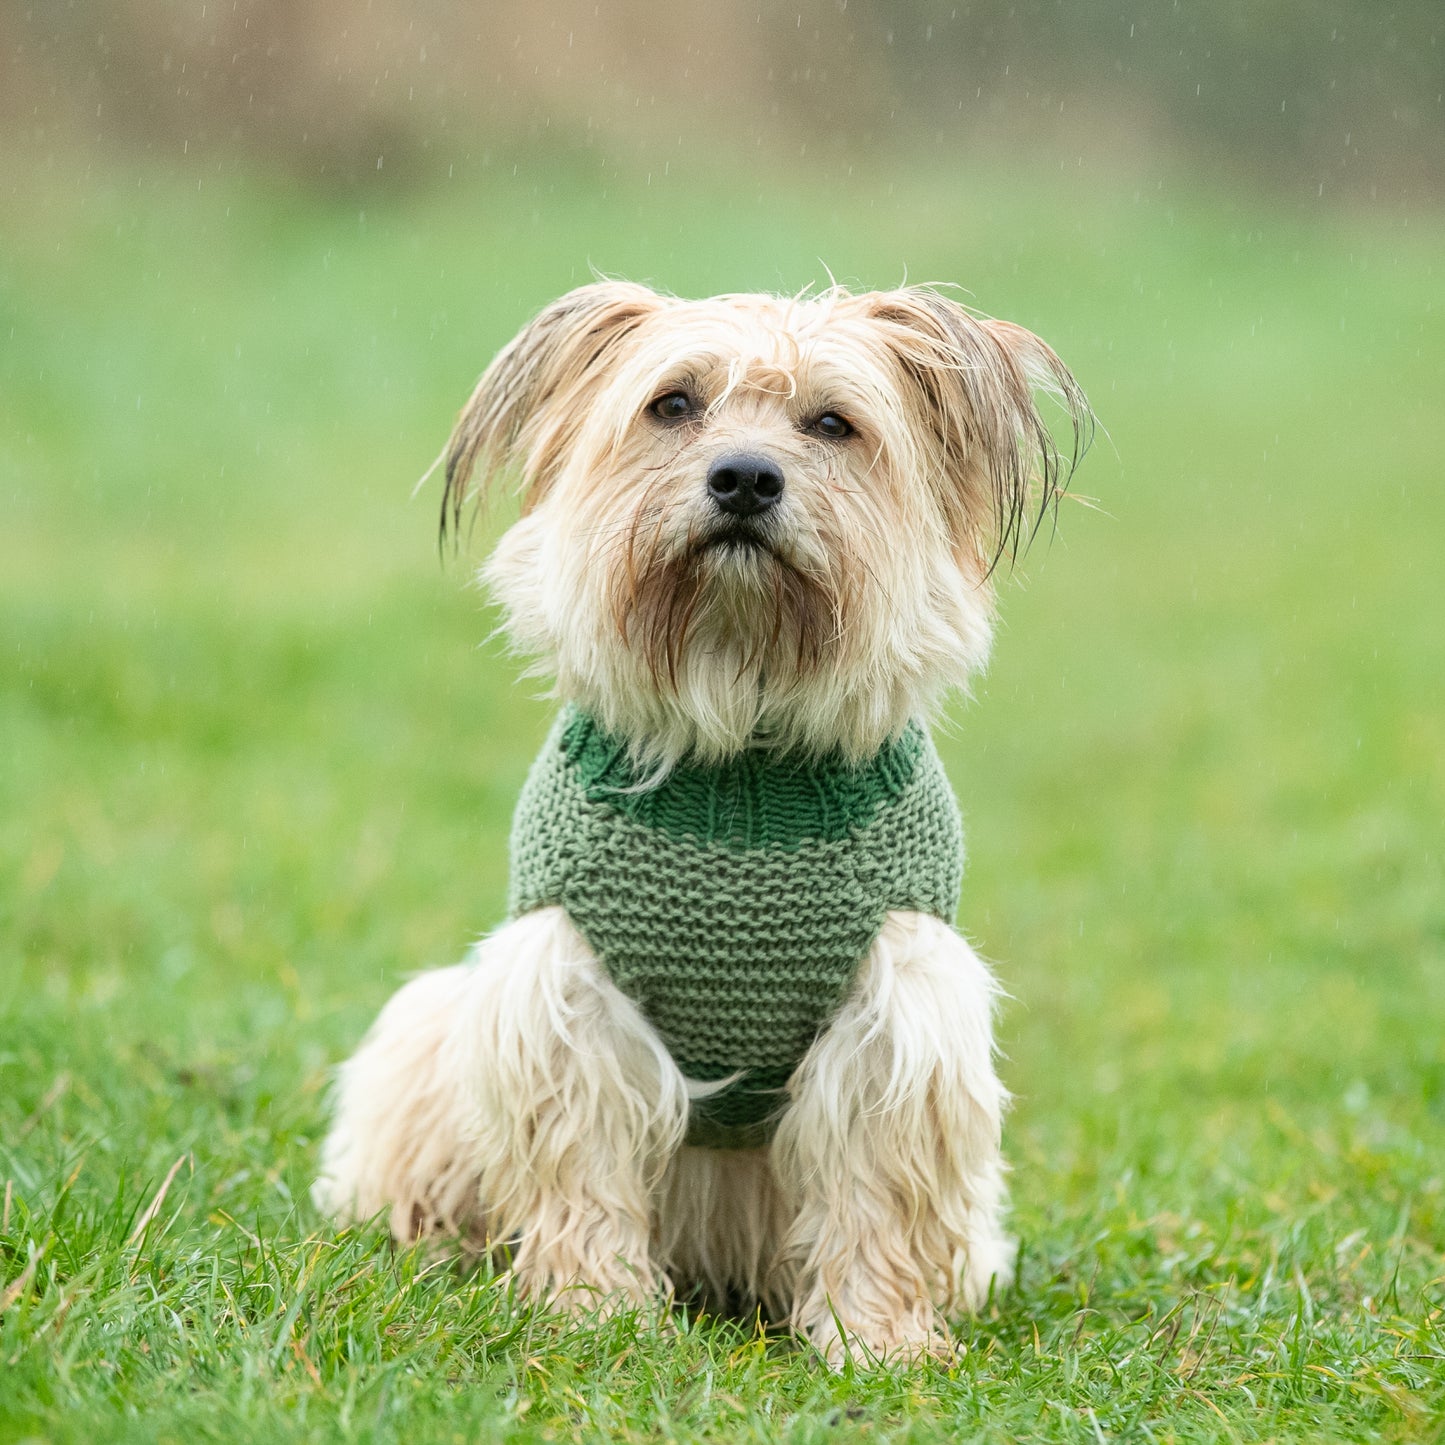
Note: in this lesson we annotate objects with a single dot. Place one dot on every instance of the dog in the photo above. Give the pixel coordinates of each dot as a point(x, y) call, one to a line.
point(729, 1039)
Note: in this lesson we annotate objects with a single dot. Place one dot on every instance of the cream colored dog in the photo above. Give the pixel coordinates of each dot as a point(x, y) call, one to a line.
point(750, 525)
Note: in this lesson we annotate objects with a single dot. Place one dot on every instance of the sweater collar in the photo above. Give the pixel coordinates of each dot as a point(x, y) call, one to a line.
point(758, 798)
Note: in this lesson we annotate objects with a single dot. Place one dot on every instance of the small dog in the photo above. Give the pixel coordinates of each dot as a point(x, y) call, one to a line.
point(728, 1038)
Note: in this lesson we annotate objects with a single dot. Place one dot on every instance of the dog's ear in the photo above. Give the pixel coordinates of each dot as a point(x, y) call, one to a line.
point(975, 382)
point(527, 405)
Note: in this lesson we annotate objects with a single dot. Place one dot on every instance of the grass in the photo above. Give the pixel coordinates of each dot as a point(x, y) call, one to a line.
point(257, 769)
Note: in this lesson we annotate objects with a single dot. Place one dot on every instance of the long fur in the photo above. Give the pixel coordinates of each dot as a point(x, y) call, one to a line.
point(871, 599)
point(519, 1101)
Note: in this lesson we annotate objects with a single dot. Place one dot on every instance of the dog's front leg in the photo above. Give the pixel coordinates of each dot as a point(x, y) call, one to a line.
point(578, 1108)
point(891, 1152)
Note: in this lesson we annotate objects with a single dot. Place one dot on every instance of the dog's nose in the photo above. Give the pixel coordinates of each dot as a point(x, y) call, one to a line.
point(744, 484)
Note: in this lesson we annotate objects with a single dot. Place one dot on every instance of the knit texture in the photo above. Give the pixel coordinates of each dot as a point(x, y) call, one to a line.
point(734, 903)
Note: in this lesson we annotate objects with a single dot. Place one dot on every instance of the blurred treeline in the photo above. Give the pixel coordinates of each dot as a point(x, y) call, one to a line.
point(1340, 99)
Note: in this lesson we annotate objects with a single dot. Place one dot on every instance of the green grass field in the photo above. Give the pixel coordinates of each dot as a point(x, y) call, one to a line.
point(258, 762)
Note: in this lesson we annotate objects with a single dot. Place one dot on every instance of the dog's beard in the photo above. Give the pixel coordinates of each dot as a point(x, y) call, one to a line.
point(733, 594)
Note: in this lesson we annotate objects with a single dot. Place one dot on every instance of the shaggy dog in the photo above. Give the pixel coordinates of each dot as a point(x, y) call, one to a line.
point(729, 1038)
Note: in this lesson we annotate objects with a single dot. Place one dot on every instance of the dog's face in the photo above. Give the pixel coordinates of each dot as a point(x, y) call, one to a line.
point(753, 518)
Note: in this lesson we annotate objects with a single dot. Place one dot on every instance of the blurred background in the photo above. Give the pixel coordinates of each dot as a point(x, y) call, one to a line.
point(1337, 98)
point(258, 756)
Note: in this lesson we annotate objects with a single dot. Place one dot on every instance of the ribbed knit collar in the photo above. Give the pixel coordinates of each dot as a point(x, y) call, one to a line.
point(759, 798)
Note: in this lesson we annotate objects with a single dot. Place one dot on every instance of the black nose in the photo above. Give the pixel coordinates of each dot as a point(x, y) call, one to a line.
point(744, 484)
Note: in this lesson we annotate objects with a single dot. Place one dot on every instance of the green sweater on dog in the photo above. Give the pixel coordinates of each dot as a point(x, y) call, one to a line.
point(734, 902)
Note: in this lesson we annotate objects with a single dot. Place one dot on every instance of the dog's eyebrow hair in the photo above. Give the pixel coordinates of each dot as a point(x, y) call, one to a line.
point(688, 380)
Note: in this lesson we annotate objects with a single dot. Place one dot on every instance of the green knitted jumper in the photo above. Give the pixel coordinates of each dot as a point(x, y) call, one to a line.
point(734, 903)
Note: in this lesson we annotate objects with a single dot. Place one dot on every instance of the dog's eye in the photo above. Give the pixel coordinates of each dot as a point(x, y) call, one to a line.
point(675, 406)
point(831, 425)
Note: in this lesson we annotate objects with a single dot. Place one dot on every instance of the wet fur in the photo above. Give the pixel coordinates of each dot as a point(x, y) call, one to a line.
point(519, 1097)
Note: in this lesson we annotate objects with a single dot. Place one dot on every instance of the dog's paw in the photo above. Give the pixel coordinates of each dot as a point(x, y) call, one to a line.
point(623, 1291)
point(874, 1343)
point(987, 1272)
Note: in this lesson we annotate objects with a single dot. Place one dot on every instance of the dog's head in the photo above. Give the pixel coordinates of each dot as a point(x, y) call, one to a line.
point(755, 518)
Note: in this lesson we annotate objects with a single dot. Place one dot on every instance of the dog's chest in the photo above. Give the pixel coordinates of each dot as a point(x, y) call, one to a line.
point(734, 903)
